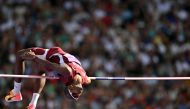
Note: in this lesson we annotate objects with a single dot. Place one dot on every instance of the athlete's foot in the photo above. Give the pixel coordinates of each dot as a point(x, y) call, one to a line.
point(11, 97)
point(31, 106)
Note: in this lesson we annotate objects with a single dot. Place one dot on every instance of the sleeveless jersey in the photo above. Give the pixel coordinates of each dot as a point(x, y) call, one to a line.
point(58, 56)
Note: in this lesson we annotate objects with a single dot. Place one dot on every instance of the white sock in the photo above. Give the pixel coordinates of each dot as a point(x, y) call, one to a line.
point(17, 87)
point(35, 98)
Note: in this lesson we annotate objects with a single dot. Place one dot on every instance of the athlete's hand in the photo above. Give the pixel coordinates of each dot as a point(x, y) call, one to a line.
point(28, 55)
point(88, 80)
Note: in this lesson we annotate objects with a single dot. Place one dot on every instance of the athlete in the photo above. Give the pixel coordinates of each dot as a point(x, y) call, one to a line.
point(55, 60)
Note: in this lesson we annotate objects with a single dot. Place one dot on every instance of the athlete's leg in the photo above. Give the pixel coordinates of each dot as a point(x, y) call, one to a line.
point(20, 64)
point(19, 69)
point(38, 87)
point(15, 95)
point(40, 83)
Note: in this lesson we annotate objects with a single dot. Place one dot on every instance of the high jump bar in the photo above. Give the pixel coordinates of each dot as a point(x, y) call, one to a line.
point(27, 76)
point(95, 78)
point(139, 78)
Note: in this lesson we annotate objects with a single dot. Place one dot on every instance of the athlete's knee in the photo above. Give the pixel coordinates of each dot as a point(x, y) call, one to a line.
point(20, 52)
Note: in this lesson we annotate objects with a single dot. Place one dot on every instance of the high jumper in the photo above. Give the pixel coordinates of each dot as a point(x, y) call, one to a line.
point(54, 59)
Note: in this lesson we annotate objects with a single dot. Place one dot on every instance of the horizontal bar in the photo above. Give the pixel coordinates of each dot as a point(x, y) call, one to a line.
point(139, 78)
point(96, 78)
point(27, 76)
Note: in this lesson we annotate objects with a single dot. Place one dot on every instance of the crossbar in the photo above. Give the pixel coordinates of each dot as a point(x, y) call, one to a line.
point(27, 76)
point(140, 78)
point(95, 78)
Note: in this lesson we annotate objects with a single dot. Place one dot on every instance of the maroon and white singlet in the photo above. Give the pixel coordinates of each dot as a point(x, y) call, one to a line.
point(58, 56)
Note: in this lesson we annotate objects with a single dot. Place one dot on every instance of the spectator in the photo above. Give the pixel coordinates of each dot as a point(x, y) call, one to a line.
point(111, 38)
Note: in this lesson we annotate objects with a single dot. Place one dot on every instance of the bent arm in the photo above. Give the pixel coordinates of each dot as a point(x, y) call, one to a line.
point(53, 66)
point(38, 55)
point(30, 53)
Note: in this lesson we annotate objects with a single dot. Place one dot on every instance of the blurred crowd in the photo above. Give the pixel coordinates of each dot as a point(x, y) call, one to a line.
point(111, 38)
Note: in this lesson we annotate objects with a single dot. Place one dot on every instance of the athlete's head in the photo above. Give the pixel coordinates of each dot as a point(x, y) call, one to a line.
point(75, 89)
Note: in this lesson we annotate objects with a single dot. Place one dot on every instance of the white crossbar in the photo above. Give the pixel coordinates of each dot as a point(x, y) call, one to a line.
point(140, 78)
point(96, 78)
point(27, 76)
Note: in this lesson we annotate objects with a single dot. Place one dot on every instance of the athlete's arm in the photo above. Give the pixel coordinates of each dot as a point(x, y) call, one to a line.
point(36, 55)
point(53, 66)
